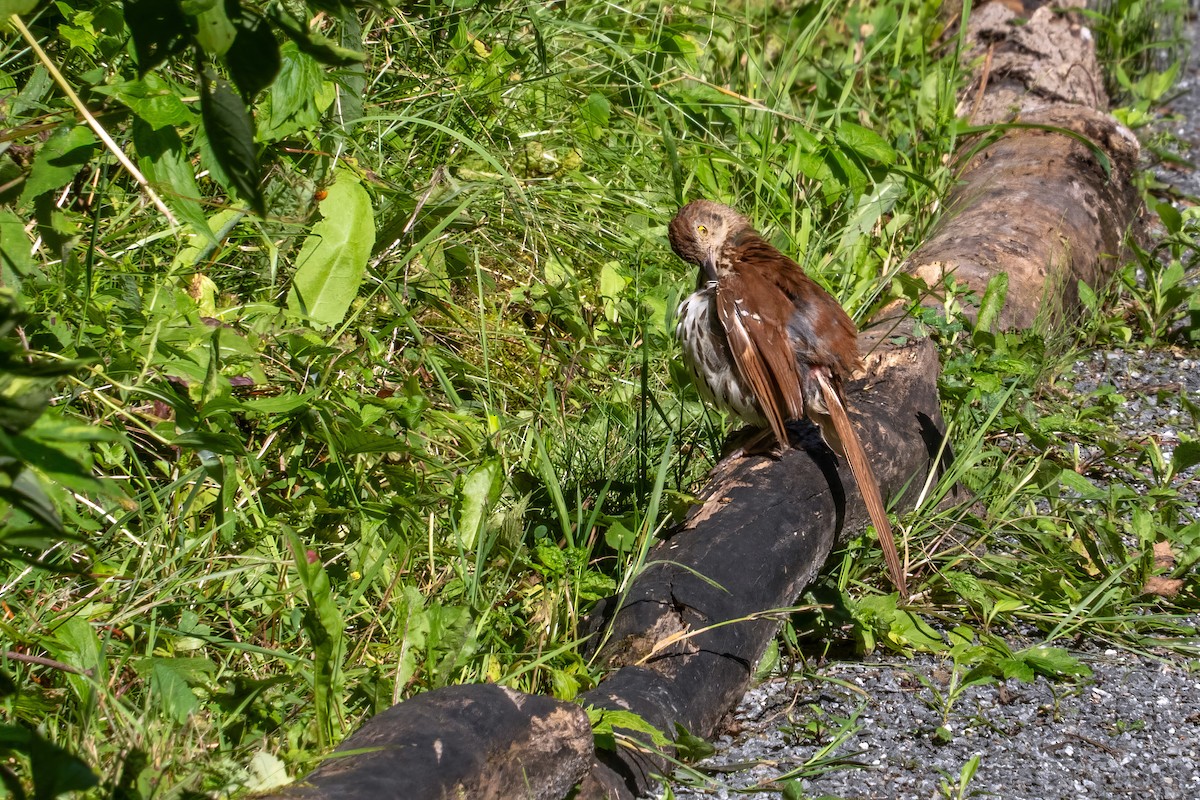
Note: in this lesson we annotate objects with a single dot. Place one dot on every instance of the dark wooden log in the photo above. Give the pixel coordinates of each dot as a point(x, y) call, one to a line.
point(484, 742)
point(687, 636)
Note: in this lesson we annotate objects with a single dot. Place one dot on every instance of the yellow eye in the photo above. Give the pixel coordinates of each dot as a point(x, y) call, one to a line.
point(702, 230)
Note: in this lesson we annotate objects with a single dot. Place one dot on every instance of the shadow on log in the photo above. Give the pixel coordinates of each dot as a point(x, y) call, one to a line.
point(484, 742)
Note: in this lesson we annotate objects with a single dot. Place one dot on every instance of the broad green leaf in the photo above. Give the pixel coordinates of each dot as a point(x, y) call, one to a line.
point(1186, 455)
point(230, 132)
point(215, 32)
point(334, 256)
point(284, 403)
point(266, 772)
point(1053, 662)
point(297, 98)
point(58, 161)
point(866, 142)
point(165, 163)
point(24, 492)
point(605, 722)
point(992, 304)
point(55, 771)
point(74, 642)
point(159, 30)
point(10, 7)
point(153, 100)
point(253, 60)
point(171, 680)
point(1172, 220)
point(479, 490)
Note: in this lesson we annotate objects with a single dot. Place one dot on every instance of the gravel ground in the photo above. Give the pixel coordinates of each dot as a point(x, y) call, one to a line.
point(1130, 730)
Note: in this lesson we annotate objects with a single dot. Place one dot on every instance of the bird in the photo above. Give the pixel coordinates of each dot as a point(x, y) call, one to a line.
point(763, 340)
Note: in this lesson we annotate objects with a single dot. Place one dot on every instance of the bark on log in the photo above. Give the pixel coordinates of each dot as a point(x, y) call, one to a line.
point(484, 742)
point(1039, 204)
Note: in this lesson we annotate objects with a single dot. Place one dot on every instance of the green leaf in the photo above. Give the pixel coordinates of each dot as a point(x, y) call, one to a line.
point(866, 143)
point(605, 722)
point(55, 771)
point(1172, 220)
point(15, 259)
point(334, 257)
point(159, 30)
point(58, 161)
point(215, 32)
point(326, 629)
point(153, 100)
point(297, 98)
point(690, 747)
point(26, 494)
point(165, 163)
point(10, 7)
point(1053, 662)
point(314, 44)
point(992, 304)
point(253, 60)
point(230, 131)
point(1185, 456)
point(480, 489)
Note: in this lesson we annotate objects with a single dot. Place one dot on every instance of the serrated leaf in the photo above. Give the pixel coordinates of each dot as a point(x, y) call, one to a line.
point(58, 161)
point(866, 143)
point(159, 30)
point(1053, 662)
point(154, 101)
point(334, 257)
point(230, 131)
point(994, 297)
point(606, 721)
point(479, 490)
point(253, 60)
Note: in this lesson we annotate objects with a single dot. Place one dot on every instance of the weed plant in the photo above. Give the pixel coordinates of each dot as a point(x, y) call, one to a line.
point(267, 475)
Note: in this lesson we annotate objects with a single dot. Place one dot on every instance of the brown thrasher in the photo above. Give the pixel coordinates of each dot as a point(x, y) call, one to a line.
point(764, 341)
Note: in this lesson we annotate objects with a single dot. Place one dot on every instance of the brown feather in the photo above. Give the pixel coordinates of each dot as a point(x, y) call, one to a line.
point(864, 476)
point(761, 355)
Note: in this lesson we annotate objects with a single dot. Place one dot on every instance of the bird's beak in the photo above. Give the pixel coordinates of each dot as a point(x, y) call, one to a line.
point(709, 265)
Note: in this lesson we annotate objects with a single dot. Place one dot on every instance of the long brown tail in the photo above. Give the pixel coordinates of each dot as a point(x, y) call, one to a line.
point(865, 477)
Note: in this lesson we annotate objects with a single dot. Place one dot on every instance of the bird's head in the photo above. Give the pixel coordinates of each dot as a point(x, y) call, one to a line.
point(701, 229)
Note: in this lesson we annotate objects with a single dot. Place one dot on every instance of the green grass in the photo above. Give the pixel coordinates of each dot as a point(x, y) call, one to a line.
point(243, 531)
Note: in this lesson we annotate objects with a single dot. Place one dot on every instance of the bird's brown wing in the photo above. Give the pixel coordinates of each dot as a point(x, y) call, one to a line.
point(864, 476)
point(760, 349)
